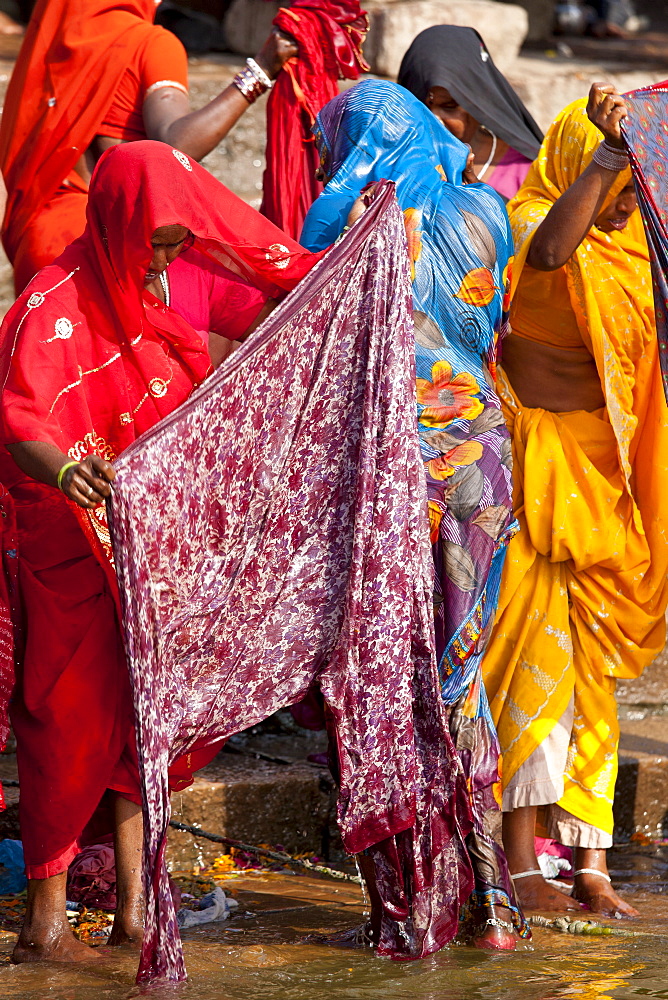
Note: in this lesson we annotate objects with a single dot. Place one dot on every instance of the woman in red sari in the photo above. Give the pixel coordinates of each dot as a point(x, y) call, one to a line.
point(92, 355)
point(91, 75)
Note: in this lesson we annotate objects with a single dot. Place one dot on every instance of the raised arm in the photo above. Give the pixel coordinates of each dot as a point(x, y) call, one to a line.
point(575, 212)
point(168, 118)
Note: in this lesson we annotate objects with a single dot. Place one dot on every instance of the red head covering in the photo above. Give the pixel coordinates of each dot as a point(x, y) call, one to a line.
point(68, 70)
point(90, 360)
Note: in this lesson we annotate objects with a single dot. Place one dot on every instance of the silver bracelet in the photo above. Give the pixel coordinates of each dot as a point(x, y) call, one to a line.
point(259, 73)
point(248, 84)
point(533, 871)
point(592, 871)
point(611, 158)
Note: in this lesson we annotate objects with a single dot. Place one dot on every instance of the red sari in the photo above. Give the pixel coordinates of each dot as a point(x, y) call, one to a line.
point(111, 361)
point(330, 34)
point(73, 60)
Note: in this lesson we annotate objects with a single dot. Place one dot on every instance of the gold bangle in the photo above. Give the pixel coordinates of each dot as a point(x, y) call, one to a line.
point(68, 465)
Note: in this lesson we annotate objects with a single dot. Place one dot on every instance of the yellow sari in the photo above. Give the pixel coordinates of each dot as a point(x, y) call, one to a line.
point(584, 590)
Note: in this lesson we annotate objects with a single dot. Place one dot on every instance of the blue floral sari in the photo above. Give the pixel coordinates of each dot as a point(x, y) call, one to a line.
point(459, 246)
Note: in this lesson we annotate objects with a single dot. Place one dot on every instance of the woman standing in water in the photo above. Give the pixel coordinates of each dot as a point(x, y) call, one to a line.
point(584, 590)
point(450, 70)
point(459, 243)
point(104, 343)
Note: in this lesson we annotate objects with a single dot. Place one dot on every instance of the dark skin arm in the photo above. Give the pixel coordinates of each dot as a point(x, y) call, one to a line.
point(575, 212)
point(87, 484)
point(168, 117)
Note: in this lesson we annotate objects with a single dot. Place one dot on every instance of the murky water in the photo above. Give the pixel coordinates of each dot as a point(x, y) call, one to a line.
point(260, 954)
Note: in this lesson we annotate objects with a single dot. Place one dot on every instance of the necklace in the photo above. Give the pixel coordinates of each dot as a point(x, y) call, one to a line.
point(484, 170)
point(165, 287)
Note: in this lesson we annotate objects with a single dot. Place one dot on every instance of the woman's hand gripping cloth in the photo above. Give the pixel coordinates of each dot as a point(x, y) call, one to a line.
point(272, 533)
point(330, 36)
point(644, 132)
point(584, 589)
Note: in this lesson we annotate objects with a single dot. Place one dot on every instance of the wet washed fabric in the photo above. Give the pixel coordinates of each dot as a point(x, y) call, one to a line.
point(459, 246)
point(584, 587)
point(271, 533)
point(647, 142)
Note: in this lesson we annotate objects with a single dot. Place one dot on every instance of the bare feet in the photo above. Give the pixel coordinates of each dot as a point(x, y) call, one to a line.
point(594, 890)
point(496, 932)
point(54, 942)
point(599, 896)
point(128, 926)
point(534, 893)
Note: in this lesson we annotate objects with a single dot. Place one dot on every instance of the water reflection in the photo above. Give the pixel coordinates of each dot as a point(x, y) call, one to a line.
point(263, 957)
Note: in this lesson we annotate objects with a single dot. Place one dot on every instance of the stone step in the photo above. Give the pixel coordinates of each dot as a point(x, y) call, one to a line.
point(293, 804)
point(641, 793)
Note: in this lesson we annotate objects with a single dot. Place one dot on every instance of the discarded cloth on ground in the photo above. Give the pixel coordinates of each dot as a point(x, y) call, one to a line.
point(330, 36)
point(271, 533)
point(212, 907)
point(646, 138)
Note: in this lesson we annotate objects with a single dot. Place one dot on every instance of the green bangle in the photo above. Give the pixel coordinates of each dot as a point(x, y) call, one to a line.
point(68, 465)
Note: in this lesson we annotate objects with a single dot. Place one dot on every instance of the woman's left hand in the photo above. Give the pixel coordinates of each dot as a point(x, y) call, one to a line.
point(361, 204)
point(469, 176)
point(605, 109)
point(275, 52)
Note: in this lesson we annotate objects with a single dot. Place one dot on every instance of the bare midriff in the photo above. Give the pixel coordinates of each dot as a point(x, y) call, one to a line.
point(550, 377)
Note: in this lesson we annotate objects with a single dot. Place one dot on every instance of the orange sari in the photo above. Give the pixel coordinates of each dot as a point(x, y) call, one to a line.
point(71, 64)
point(584, 587)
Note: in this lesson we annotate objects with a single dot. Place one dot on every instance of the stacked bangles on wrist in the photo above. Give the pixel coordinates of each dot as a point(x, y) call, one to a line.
point(611, 158)
point(252, 81)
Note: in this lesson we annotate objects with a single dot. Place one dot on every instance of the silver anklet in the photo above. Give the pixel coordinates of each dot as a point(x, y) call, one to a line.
point(591, 871)
point(502, 924)
point(533, 871)
point(611, 158)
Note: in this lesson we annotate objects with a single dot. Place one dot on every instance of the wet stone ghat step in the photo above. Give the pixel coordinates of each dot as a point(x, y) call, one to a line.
point(263, 789)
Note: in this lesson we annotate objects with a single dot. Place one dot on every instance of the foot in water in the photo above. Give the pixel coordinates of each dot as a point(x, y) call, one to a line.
point(128, 928)
point(497, 933)
point(54, 942)
point(597, 895)
point(534, 893)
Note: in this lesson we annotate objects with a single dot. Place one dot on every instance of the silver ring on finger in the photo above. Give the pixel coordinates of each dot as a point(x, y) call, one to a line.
point(90, 490)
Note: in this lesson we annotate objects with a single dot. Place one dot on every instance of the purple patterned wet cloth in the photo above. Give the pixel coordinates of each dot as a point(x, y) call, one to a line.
point(271, 533)
point(645, 133)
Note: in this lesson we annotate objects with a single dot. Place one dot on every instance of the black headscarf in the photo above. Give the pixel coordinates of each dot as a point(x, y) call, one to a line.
point(457, 59)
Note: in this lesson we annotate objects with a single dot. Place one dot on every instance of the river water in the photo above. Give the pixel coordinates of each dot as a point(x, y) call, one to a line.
point(261, 954)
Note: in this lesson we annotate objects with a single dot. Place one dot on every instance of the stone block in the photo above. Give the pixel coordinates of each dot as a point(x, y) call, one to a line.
point(651, 688)
point(394, 25)
point(255, 802)
point(247, 24)
point(541, 18)
point(641, 793)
